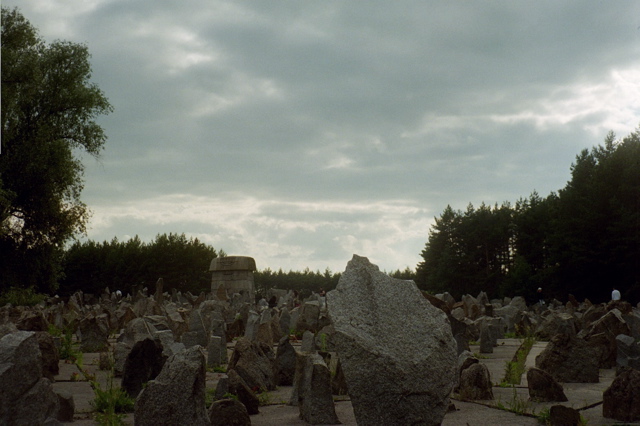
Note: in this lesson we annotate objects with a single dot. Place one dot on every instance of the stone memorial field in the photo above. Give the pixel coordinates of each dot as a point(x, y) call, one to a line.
point(373, 351)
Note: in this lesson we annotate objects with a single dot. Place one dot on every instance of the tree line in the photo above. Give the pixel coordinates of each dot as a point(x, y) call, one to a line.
point(583, 240)
point(181, 262)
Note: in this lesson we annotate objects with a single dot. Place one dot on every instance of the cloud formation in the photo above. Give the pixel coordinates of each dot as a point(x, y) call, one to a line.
point(300, 133)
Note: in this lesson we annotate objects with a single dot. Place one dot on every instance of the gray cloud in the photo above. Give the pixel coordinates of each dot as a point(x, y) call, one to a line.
point(301, 132)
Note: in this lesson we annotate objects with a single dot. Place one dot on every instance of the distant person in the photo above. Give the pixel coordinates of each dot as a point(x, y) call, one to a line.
point(322, 292)
point(540, 296)
point(615, 294)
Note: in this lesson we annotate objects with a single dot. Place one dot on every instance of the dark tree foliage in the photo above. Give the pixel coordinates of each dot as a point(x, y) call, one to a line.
point(48, 111)
point(406, 274)
point(597, 231)
point(305, 282)
point(467, 252)
point(582, 241)
point(182, 263)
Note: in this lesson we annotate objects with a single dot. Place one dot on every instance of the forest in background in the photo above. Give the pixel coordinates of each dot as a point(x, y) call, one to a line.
point(583, 240)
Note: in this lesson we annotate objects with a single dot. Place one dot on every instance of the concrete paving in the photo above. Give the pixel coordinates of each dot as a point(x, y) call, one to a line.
point(480, 413)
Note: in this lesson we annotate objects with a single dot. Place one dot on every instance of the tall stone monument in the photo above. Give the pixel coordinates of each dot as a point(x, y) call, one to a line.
point(233, 274)
point(396, 349)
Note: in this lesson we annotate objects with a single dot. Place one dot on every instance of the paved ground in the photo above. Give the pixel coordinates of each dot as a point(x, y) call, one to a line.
point(477, 413)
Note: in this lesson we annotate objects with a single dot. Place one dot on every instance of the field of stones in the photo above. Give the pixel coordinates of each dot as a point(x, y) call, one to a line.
point(374, 351)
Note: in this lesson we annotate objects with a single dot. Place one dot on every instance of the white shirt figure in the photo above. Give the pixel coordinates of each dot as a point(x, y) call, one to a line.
point(615, 294)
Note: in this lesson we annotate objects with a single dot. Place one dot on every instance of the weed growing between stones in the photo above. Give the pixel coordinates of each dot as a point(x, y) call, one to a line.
point(68, 350)
point(544, 416)
point(231, 396)
point(217, 369)
point(295, 335)
point(517, 405)
point(264, 398)
point(110, 403)
point(515, 368)
point(209, 396)
point(323, 342)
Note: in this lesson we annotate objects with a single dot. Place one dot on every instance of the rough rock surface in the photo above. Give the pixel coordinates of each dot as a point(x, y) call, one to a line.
point(49, 353)
point(628, 352)
point(94, 333)
point(621, 401)
point(285, 362)
point(228, 412)
point(25, 396)
point(559, 415)
point(177, 395)
point(143, 363)
point(543, 387)
point(396, 349)
point(569, 359)
point(475, 383)
point(238, 387)
point(255, 363)
point(314, 393)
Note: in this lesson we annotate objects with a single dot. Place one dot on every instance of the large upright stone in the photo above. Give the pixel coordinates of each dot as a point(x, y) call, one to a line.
point(397, 351)
point(50, 355)
point(26, 397)
point(143, 363)
point(285, 364)
point(308, 320)
point(216, 352)
point(177, 395)
point(569, 359)
point(199, 325)
point(233, 274)
point(628, 354)
point(621, 401)
point(159, 291)
point(543, 387)
point(255, 363)
point(314, 393)
point(94, 333)
point(475, 383)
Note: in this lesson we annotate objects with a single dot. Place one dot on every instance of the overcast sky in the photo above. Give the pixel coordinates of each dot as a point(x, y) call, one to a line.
point(302, 132)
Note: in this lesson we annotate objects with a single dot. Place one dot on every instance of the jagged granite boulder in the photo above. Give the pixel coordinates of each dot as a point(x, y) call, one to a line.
point(543, 387)
point(285, 364)
point(177, 395)
point(255, 363)
point(228, 412)
point(621, 401)
point(397, 351)
point(26, 398)
point(49, 353)
point(94, 333)
point(313, 390)
point(475, 383)
point(628, 353)
point(569, 359)
point(143, 363)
